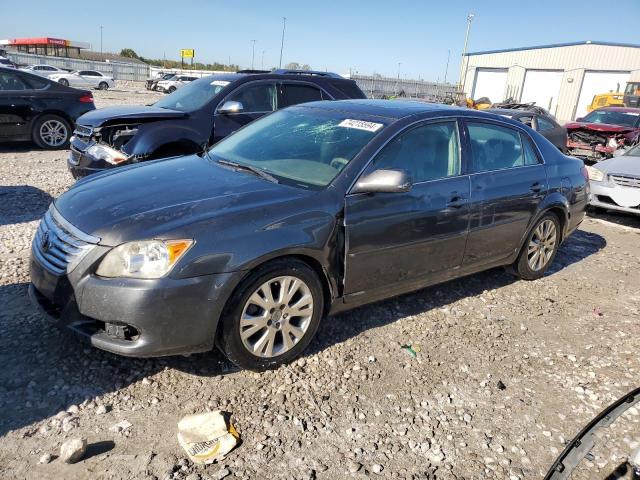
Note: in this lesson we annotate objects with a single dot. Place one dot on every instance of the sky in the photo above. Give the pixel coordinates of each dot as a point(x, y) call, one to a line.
point(340, 36)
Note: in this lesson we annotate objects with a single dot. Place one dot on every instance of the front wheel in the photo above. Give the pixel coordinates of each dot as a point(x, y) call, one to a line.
point(171, 89)
point(540, 248)
point(272, 316)
point(103, 86)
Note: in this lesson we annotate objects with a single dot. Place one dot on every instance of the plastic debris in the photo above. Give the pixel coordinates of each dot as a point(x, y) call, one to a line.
point(411, 350)
point(597, 312)
point(207, 437)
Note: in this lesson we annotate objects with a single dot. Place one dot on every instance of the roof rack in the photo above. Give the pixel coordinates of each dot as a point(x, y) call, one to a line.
point(513, 105)
point(317, 73)
point(253, 71)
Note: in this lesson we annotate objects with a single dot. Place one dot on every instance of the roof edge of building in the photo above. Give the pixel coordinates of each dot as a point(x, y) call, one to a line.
point(555, 45)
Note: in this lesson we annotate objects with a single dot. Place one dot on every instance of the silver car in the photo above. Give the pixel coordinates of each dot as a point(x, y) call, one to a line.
point(84, 79)
point(615, 183)
point(44, 70)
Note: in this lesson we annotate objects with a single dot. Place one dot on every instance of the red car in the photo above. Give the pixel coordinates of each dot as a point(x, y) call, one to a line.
point(602, 132)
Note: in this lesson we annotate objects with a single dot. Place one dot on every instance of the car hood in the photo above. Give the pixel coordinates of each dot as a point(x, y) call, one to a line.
point(166, 197)
point(598, 127)
point(103, 116)
point(624, 164)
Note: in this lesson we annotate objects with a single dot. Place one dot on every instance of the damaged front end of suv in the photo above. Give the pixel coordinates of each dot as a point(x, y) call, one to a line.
point(104, 140)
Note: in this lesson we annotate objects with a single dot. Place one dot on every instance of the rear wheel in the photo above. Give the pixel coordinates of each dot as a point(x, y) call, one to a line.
point(273, 315)
point(64, 81)
point(103, 86)
point(171, 89)
point(540, 248)
point(51, 132)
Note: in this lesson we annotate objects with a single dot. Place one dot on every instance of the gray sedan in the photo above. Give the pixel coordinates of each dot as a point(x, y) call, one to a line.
point(615, 183)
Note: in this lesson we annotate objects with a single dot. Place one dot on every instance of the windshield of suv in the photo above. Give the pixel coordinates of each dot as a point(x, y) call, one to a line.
point(626, 119)
point(193, 95)
point(300, 145)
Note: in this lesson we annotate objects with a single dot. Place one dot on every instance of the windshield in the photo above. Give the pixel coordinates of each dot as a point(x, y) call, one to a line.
point(168, 76)
point(193, 95)
point(626, 119)
point(299, 145)
point(633, 88)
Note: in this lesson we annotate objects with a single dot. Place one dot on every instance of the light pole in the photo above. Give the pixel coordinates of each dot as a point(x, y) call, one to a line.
point(446, 70)
point(262, 61)
point(253, 52)
point(101, 54)
point(463, 67)
point(284, 26)
point(398, 80)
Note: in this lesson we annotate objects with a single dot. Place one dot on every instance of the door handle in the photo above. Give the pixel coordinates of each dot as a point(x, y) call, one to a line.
point(457, 201)
point(536, 187)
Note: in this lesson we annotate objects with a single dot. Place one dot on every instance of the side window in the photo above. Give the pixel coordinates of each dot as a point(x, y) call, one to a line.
point(49, 69)
point(256, 98)
point(293, 94)
point(528, 121)
point(11, 81)
point(494, 147)
point(38, 67)
point(37, 83)
point(545, 125)
point(84, 73)
point(427, 152)
point(530, 155)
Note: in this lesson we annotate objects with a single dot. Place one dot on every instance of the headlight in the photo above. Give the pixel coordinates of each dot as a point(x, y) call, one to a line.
point(108, 154)
point(146, 259)
point(595, 174)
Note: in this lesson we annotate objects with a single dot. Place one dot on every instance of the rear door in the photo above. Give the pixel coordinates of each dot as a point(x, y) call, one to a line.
point(395, 238)
point(508, 181)
point(294, 93)
point(257, 99)
point(15, 106)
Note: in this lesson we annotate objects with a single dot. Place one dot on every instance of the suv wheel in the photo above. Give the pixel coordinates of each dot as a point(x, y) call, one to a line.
point(171, 89)
point(51, 132)
point(539, 249)
point(272, 316)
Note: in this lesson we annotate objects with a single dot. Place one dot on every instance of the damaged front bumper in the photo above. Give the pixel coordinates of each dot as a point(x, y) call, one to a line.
point(87, 155)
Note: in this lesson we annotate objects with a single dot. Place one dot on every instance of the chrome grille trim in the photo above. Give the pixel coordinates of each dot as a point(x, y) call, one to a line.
point(67, 245)
point(625, 180)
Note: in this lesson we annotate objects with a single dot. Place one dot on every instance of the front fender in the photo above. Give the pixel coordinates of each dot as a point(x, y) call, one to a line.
point(152, 136)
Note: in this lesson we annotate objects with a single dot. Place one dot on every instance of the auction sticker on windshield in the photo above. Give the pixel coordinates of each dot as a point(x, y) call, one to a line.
point(220, 83)
point(360, 125)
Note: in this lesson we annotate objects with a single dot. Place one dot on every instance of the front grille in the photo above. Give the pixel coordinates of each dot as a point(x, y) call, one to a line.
point(82, 131)
point(58, 245)
point(626, 180)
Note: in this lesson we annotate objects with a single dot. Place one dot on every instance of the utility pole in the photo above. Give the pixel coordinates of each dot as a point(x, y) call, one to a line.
point(101, 54)
point(446, 70)
point(262, 61)
point(398, 80)
point(463, 67)
point(284, 26)
point(253, 52)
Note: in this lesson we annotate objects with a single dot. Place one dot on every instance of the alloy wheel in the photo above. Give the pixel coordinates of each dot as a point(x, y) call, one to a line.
point(276, 316)
point(542, 245)
point(54, 133)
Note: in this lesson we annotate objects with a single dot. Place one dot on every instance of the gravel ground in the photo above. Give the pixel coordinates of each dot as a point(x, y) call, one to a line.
point(505, 373)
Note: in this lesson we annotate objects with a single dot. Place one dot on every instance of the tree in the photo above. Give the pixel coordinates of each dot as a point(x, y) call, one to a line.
point(129, 53)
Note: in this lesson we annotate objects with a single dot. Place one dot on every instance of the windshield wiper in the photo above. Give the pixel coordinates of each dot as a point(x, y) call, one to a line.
point(249, 168)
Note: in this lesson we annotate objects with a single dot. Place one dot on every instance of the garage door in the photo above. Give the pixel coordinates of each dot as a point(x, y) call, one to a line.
point(491, 84)
point(542, 87)
point(599, 82)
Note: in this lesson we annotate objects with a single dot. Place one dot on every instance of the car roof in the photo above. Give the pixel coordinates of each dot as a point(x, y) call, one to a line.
point(511, 112)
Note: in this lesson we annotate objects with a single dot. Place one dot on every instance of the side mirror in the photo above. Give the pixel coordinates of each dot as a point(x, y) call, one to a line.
point(580, 119)
point(387, 181)
point(230, 107)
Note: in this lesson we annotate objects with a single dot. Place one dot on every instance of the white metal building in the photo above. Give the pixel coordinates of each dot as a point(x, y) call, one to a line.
point(562, 78)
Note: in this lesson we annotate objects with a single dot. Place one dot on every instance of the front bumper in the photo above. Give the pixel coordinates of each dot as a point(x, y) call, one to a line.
point(612, 196)
point(588, 152)
point(80, 163)
point(132, 317)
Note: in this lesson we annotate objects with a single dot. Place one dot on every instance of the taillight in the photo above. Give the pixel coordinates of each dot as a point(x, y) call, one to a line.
point(585, 173)
point(86, 98)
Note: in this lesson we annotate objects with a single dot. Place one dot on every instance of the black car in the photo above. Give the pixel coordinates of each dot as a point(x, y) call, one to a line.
point(311, 210)
point(38, 109)
point(537, 118)
point(194, 117)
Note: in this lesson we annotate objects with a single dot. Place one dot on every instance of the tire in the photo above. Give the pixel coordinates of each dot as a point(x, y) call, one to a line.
point(261, 344)
point(543, 239)
point(64, 81)
point(171, 89)
point(103, 86)
point(51, 132)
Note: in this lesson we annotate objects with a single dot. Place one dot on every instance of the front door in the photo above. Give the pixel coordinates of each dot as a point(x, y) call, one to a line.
point(256, 99)
point(395, 238)
point(15, 106)
point(508, 181)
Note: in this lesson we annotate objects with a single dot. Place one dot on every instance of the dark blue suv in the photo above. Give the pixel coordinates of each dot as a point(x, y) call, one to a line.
point(195, 116)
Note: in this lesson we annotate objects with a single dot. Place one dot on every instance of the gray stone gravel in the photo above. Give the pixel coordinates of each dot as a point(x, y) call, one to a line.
point(505, 373)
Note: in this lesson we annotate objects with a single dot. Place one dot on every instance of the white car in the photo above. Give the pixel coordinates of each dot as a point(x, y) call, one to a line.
point(43, 70)
point(615, 183)
point(84, 78)
point(170, 86)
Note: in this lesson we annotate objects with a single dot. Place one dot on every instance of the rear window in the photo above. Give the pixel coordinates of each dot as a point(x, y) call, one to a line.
point(350, 89)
